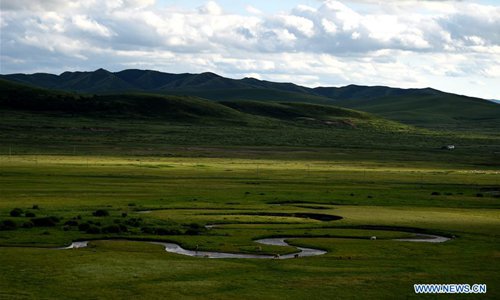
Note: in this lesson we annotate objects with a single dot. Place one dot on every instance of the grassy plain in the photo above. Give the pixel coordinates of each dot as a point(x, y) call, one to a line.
point(383, 197)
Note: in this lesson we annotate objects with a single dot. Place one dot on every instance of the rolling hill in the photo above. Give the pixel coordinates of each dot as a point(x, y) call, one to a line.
point(427, 107)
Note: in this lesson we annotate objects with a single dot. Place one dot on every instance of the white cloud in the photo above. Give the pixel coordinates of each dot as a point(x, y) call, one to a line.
point(403, 43)
point(86, 24)
point(210, 8)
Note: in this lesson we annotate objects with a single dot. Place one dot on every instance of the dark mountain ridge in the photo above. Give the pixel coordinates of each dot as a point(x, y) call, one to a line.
point(424, 107)
point(103, 81)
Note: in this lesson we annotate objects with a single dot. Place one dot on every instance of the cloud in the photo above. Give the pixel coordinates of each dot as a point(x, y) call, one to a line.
point(86, 24)
point(404, 43)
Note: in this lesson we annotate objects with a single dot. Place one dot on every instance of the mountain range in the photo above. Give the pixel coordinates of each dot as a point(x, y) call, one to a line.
point(425, 107)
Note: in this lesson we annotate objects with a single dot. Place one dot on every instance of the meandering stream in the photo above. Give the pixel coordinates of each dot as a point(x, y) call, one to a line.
point(303, 252)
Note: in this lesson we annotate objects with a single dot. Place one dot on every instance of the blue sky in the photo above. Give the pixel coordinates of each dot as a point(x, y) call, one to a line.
point(448, 45)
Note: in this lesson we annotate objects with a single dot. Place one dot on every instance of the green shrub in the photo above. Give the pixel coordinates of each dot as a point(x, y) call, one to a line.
point(83, 227)
point(166, 231)
point(111, 229)
point(93, 230)
point(100, 213)
point(71, 223)
point(134, 222)
point(8, 225)
point(45, 221)
point(16, 212)
point(28, 224)
point(148, 230)
point(35, 206)
point(30, 215)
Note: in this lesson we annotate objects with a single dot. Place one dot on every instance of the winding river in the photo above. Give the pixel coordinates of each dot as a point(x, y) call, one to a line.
point(303, 252)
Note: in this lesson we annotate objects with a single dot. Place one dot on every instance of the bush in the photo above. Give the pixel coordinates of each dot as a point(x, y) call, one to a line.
point(167, 231)
point(83, 227)
point(100, 213)
point(71, 223)
point(28, 224)
point(134, 222)
point(94, 230)
point(124, 215)
point(479, 195)
point(66, 228)
point(8, 225)
point(16, 212)
point(435, 194)
point(148, 230)
point(195, 226)
point(45, 221)
point(111, 229)
point(131, 204)
point(35, 206)
point(30, 215)
point(192, 231)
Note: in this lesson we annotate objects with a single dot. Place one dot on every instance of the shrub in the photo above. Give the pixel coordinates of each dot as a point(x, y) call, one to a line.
point(192, 231)
point(166, 231)
point(148, 230)
point(123, 228)
point(16, 212)
point(134, 222)
point(124, 215)
point(435, 194)
point(28, 224)
point(131, 204)
point(8, 225)
point(45, 221)
point(35, 206)
point(195, 226)
point(100, 213)
point(71, 223)
point(30, 215)
point(93, 230)
point(83, 227)
point(66, 228)
point(111, 229)
point(479, 195)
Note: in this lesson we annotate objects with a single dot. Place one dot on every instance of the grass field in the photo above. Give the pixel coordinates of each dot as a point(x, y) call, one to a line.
point(253, 193)
point(124, 170)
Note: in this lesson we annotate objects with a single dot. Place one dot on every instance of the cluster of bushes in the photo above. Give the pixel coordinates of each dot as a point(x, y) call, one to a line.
point(34, 222)
point(479, 195)
point(161, 231)
point(18, 212)
point(120, 225)
point(8, 225)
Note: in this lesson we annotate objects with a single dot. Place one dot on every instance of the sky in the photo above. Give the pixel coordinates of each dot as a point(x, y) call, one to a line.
point(452, 46)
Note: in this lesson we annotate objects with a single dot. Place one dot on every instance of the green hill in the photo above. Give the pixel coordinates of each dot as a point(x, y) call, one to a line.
point(427, 108)
point(440, 111)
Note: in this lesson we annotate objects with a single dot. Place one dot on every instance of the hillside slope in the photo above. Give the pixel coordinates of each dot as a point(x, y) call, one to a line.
point(439, 111)
point(426, 107)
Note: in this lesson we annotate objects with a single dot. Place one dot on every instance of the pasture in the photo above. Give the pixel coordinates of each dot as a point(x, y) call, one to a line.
point(247, 197)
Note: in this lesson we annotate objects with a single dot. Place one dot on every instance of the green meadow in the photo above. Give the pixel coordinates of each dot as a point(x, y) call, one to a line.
point(249, 196)
point(122, 171)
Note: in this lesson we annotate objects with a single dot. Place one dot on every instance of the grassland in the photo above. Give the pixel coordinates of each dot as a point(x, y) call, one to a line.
point(179, 191)
point(120, 170)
